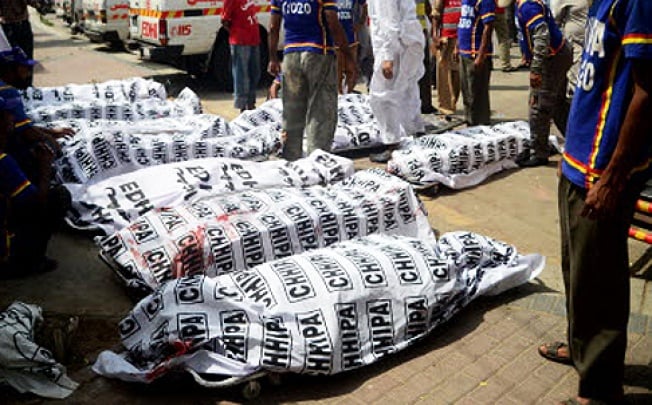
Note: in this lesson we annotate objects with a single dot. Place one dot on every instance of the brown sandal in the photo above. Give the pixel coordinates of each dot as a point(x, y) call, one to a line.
point(551, 352)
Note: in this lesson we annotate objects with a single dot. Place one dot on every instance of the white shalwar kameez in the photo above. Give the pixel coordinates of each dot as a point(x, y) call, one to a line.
point(397, 36)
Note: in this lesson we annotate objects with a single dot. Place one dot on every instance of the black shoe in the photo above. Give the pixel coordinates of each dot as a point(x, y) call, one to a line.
point(429, 110)
point(382, 157)
point(534, 162)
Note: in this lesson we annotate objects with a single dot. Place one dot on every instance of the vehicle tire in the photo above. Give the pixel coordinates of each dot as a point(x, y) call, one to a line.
point(220, 64)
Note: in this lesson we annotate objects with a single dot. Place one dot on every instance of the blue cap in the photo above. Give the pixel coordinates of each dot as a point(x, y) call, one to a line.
point(16, 56)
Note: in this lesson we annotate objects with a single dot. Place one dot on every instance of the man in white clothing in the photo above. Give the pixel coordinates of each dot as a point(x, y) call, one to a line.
point(398, 44)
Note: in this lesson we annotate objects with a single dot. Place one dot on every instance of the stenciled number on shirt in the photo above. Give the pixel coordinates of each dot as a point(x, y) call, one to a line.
point(293, 7)
point(594, 45)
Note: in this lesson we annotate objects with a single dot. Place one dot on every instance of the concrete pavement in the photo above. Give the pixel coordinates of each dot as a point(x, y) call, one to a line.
point(486, 354)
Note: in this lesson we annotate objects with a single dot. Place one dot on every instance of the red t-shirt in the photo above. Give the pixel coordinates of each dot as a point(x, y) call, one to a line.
point(244, 24)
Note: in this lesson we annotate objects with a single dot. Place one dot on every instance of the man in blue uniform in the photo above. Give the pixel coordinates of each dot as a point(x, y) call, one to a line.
point(346, 80)
point(29, 210)
point(14, 75)
point(550, 57)
point(309, 95)
point(607, 154)
point(474, 43)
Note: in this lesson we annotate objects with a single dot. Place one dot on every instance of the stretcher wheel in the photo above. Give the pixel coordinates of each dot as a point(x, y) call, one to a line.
point(251, 390)
point(274, 379)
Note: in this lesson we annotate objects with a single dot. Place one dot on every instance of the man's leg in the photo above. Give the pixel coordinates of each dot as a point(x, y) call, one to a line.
point(562, 62)
point(443, 77)
point(596, 275)
point(239, 68)
point(504, 41)
point(467, 84)
point(455, 84)
point(351, 77)
point(341, 62)
point(481, 108)
point(542, 104)
point(321, 116)
point(254, 76)
point(425, 83)
point(295, 105)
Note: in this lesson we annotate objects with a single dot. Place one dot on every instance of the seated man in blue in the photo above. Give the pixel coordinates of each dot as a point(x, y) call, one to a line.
point(29, 210)
point(14, 76)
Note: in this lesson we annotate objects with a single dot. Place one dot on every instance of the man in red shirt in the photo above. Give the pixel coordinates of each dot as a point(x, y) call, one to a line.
point(446, 16)
point(239, 17)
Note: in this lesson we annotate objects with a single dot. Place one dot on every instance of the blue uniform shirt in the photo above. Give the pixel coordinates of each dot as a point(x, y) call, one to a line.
point(12, 96)
point(475, 14)
point(345, 13)
point(531, 14)
point(14, 189)
point(617, 33)
point(305, 24)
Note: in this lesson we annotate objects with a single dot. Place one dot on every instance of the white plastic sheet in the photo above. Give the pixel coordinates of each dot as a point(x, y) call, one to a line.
point(225, 233)
point(187, 103)
point(24, 364)
point(321, 312)
point(127, 90)
point(109, 148)
point(460, 159)
point(111, 204)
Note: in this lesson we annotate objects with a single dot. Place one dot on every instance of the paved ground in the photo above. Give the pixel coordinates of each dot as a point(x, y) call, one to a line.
point(485, 355)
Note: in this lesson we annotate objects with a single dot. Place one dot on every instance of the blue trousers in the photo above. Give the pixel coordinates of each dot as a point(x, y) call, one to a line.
point(245, 64)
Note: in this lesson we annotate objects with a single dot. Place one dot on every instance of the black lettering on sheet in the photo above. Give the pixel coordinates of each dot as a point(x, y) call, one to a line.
point(403, 264)
point(416, 315)
point(192, 327)
point(252, 244)
point(331, 271)
point(318, 345)
point(159, 263)
point(190, 259)
point(254, 286)
point(277, 344)
point(347, 320)
point(189, 290)
point(304, 225)
point(296, 284)
point(143, 231)
point(370, 269)
point(381, 326)
point(278, 235)
point(221, 249)
point(235, 333)
point(113, 246)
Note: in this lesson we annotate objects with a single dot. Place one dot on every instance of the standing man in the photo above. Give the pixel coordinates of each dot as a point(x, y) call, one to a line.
point(504, 39)
point(474, 36)
point(346, 80)
point(14, 19)
point(424, 12)
point(608, 150)
point(309, 71)
point(446, 16)
point(398, 43)
point(570, 16)
point(550, 58)
point(239, 17)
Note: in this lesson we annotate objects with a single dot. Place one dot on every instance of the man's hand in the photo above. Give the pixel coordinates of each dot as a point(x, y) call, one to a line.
point(351, 69)
point(479, 61)
point(61, 132)
point(274, 67)
point(535, 80)
point(436, 41)
point(603, 200)
point(387, 68)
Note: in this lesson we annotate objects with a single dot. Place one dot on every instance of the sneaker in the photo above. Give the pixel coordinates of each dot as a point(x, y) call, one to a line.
point(382, 157)
point(534, 162)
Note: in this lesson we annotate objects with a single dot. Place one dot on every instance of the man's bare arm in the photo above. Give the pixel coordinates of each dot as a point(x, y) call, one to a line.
point(274, 30)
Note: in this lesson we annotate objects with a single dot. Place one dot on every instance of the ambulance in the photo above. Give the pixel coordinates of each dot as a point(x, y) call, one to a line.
point(106, 21)
point(189, 33)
